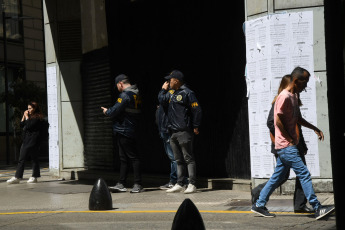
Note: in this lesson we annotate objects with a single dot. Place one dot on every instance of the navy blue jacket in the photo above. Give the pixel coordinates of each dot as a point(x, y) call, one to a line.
point(126, 112)
point(184, 112)
point(162, 119)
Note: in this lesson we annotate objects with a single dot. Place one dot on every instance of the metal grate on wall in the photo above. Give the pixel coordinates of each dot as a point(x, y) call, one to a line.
point(238, 156)
point(97, 92)
point(69, 40)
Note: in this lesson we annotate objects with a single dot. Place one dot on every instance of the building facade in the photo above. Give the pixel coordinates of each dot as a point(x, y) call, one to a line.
point(89, 42)
point(25, 60)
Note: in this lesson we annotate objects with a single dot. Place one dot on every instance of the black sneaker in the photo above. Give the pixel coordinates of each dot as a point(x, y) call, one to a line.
point(262, 211)
point(304, 209)
point(323, 211)
point(167, 186)
point(137, 188)
point(118, 188)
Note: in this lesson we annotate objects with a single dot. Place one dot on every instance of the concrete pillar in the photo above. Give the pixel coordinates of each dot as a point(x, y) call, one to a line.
point(63, 53)
point(51, 62)
point(64, 21)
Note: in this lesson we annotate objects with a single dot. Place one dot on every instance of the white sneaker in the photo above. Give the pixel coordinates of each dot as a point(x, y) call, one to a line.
point(32, 180)
point(190, 189)
point(176, 188)
point(13, 180)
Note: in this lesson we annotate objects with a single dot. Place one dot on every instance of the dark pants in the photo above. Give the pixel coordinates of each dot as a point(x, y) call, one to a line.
point(29, 148)
point(128, 152)
point(182, 146)
point(299, 198)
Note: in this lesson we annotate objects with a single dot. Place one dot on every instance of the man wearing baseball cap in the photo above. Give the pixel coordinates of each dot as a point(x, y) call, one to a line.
point(126, 114)
point(184, 118)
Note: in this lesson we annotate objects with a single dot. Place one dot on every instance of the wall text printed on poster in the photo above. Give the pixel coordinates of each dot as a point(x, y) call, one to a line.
point(53, 118)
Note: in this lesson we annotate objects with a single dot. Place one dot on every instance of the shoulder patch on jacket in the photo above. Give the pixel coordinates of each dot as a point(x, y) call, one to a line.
point(119, 100)
point(194, 104)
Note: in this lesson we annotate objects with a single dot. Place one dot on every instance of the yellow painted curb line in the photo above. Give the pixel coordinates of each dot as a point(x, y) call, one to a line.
point(8, 172)
point(148, 211)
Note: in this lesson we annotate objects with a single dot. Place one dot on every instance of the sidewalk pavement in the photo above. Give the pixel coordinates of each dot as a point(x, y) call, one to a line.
point(51, 195)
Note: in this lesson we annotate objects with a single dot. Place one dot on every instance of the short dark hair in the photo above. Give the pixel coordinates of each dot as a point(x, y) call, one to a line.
point(126, 81)
point(298, 73)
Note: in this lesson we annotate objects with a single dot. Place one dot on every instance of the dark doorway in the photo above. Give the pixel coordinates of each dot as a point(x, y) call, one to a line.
point(204, 40)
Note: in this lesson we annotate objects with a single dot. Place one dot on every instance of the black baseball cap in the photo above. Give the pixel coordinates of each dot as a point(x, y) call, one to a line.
point(120, 77)
point(175, 74)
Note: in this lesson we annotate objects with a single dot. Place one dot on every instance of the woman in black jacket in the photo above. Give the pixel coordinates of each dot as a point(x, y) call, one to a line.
point(300, 200)
point(31, 122)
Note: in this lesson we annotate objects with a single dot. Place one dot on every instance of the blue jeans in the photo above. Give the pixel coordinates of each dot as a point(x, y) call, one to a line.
point(289, 158)
point(173, 165)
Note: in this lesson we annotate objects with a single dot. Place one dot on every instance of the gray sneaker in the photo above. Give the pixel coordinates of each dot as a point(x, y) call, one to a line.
point(137, 188)
point(118, 188)
point(167, 186)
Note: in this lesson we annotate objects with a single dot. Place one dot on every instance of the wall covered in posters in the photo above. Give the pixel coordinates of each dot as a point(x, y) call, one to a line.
point(275, 45)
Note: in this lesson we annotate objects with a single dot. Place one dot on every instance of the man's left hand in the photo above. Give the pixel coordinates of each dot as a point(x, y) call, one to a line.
point(319, 134)
point(196, 131)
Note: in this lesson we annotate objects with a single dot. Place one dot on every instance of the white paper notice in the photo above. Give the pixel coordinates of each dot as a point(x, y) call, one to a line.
point(53, 118)
point(275, 45)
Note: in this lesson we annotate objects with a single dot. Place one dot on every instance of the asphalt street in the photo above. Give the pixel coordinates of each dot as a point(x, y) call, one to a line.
point(61, 204)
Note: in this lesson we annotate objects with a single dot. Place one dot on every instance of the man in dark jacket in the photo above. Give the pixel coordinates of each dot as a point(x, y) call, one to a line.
point(184, 116)
point(125, 114)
